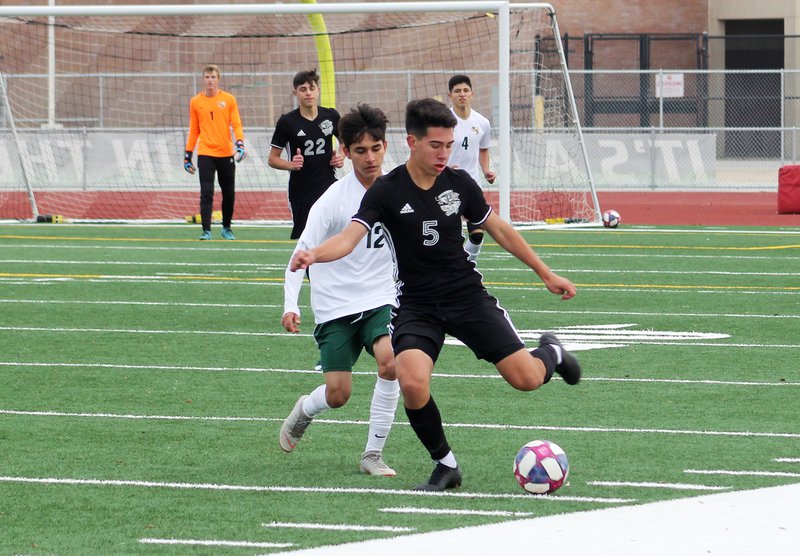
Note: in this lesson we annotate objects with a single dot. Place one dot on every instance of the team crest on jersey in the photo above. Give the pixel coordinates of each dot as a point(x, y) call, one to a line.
point(221, 104)
point(449, 201)
point(326, 127)
point(475, 130)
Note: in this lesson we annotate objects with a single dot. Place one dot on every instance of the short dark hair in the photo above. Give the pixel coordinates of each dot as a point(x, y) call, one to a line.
point(427, 112)
point(362, 120)
point(303, 77)
point(458, 80)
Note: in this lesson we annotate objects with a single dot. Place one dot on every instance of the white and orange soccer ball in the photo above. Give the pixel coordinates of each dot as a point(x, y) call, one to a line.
point(541, 467)
point(611, 219)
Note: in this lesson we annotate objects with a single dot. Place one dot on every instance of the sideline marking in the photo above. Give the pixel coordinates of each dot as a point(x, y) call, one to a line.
point(477, 375)
point(741, 473)
point(521, 311)
point(330, 527)
point(787, 460)
point(439, 511)
point(455, 425)
point(670, 486)
point(301, 335)
point(233, 544)
point(312, 490)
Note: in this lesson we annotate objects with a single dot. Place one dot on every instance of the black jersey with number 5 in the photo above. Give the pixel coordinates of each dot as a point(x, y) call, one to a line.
point(424, 230)
point(315, 141)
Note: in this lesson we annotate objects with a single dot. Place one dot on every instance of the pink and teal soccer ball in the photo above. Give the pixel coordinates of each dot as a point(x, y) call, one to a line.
point(611, 219)
point(541, 467)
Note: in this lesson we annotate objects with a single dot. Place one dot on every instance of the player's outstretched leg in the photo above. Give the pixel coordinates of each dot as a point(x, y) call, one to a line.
point(568, 368)
point(372, 464)
point(442, 478)
point(294, 426)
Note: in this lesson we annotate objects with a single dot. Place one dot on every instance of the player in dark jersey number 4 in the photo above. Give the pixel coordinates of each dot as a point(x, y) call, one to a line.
point(420, 205)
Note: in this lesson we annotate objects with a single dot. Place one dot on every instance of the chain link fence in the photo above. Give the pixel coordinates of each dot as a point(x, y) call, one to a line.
point(734, 129)
point(659, 129)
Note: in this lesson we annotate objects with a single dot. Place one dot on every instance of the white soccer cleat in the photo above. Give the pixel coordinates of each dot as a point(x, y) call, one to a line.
point(372, 464)
point(294, 427)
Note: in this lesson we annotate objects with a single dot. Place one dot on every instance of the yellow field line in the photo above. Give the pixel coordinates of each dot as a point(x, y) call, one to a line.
point(534, 245)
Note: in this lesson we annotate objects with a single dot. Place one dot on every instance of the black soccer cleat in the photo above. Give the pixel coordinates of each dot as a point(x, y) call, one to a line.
point(569, 368)
point(442, 478)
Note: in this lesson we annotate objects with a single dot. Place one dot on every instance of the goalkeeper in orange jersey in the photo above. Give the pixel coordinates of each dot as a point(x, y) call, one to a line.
point(212, 114)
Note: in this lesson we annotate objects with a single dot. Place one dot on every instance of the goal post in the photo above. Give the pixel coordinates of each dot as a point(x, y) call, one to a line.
point(101, 136)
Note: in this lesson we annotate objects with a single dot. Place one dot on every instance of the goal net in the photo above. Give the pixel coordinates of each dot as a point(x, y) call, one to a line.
point(94, 107)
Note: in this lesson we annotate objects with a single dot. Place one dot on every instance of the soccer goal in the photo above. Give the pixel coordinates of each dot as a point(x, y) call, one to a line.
point(94, 107)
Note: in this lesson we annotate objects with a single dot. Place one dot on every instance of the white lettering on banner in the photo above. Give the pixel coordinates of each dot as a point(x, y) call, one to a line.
point(558, 159)
point(618, 157)
point(119, 160)
point(666, 148)
point(53, 160)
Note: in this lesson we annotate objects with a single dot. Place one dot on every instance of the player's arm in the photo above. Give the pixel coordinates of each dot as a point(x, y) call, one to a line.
point(317, 228)
point(275, 160)
point(510, 239)
point(483, 160)
point(337, 160)
point(191, 141)
point(334, 248)
point(292, 283)
point(239, 152)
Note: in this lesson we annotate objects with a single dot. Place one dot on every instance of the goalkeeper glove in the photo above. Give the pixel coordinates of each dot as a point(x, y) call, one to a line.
point(187, 162)
point(239, 153)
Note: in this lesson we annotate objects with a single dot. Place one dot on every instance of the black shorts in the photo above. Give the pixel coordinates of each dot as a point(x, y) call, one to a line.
point(480, 322)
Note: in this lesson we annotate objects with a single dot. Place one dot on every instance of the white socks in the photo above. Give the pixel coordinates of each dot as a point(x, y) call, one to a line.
point(382, 412)
point(316, 402)
point(449, 460)
point(557, 349)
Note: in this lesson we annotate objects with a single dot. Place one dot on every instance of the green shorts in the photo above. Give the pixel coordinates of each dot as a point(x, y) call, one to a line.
point(340, 341)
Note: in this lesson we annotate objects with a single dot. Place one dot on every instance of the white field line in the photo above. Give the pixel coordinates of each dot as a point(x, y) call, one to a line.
point(339, 527)
point(202, 265)
point(492, 376)
point(300, 335)
point(669, 486)
point(307, 490)
point(261, 267)
point(520, 311)
point(147, 280)
point(741, 473)
point(146, 303)
point(439, 511)
point(479, 426)
point(227, 544)
point(787, 460)
point(85, 247)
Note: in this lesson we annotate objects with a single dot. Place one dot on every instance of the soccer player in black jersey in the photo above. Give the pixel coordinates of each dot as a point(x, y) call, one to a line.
point(420, 205)
point(306, 134)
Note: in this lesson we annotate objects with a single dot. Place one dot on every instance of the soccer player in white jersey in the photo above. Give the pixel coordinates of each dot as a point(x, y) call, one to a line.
point(471, 137)
point(351, 298)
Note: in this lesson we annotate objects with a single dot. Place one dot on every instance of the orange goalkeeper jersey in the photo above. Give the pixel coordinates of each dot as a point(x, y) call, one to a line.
point(210, 121)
